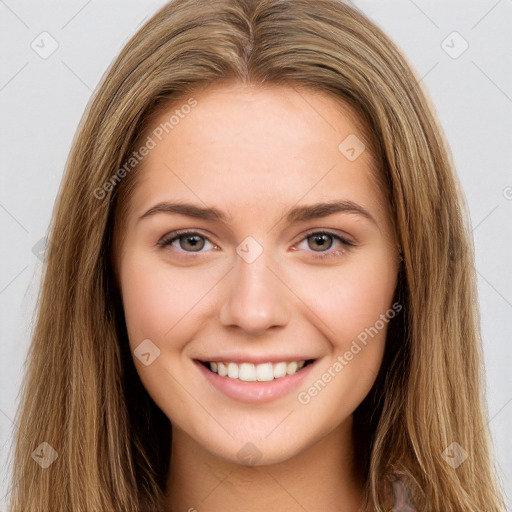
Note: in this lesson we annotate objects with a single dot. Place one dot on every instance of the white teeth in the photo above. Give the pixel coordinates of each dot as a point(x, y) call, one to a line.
point(264, 372)
point(249, 372)
point(222, 369)
point(291, 368)
point(279, 370)
point(233, 371)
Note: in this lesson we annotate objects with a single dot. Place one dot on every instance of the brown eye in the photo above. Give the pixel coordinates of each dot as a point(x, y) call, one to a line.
point(320, 241)
point(186, 242)
point(323, 244)
point(191, 242)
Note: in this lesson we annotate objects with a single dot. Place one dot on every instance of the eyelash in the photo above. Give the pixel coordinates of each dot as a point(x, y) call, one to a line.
point(347, 245)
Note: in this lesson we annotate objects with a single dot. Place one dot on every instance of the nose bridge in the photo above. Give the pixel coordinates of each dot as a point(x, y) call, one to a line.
point(255, 299)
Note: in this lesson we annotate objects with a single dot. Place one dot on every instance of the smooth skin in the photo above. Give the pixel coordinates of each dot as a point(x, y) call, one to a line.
point(255, 153)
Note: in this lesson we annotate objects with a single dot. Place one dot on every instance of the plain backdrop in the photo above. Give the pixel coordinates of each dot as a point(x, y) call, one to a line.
point(461, 51)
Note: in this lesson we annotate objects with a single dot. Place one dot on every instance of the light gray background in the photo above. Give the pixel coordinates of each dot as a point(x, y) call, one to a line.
point(42, 100)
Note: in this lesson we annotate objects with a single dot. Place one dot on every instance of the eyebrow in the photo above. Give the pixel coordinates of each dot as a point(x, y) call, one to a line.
point(297, 214)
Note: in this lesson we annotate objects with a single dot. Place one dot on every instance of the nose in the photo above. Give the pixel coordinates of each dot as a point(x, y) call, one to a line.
point(256, 299)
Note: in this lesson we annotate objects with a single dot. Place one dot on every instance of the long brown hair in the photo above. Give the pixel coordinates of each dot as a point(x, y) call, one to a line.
point(82, 395)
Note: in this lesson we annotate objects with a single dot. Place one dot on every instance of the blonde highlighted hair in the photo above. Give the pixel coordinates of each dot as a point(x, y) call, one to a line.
point(82, 394)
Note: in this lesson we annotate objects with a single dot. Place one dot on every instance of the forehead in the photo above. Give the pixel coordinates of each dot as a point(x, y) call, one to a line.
point(251, 149)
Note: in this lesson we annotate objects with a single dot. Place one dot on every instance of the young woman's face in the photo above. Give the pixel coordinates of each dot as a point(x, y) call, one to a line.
point(258, 277)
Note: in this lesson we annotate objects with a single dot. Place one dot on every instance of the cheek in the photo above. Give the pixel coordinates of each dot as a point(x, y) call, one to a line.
point(354, 304)
point(350, 298)
point(155, 298)
point(343, 381)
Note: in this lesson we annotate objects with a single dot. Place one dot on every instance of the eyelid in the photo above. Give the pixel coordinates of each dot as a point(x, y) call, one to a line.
point(347, 239)
point(168, 238)
point(347, 244)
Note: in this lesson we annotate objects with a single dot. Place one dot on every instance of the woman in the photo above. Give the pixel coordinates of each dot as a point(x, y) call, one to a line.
point(260, 370)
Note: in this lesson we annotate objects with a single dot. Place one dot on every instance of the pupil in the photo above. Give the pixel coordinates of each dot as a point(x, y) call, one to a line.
point(194, 240)
point(321, 239)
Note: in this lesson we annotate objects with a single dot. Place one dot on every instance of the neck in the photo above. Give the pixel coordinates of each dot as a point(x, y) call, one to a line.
point(322, 477)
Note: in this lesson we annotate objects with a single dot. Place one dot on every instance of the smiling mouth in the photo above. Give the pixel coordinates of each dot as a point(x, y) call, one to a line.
point(249, 372)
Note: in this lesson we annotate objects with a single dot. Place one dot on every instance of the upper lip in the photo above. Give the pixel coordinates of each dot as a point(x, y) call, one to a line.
point(255, 359)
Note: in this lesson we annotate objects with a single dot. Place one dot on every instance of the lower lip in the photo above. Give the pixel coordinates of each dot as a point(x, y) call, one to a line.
point(255, 392)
